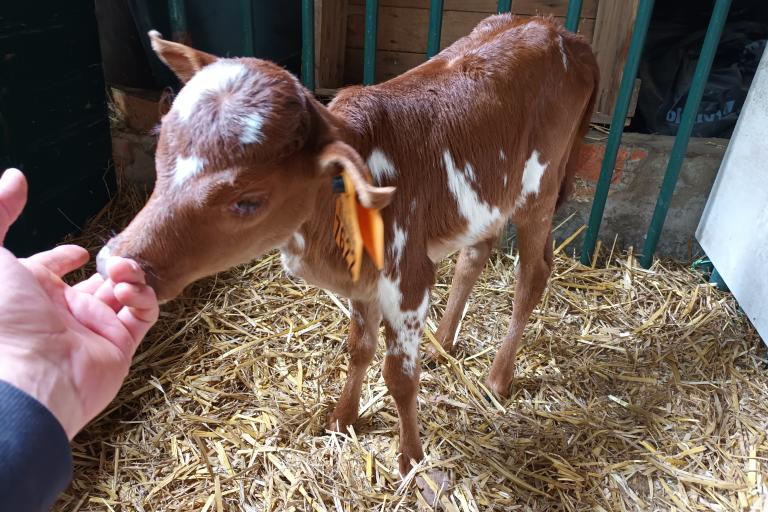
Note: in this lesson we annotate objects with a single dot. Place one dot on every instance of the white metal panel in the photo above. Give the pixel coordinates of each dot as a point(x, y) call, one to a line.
point(734, 226)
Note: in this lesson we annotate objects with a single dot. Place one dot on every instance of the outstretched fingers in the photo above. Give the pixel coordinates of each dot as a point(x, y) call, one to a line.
point(140, 307)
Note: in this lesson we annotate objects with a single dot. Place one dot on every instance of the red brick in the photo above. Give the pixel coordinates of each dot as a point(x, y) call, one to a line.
point(590, 159)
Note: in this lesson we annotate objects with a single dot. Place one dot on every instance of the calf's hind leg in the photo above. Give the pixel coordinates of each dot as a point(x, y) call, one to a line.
point(470, 264)
point(535, 248)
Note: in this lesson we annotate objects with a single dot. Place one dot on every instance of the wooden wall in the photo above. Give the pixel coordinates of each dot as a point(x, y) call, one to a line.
point(403, 27)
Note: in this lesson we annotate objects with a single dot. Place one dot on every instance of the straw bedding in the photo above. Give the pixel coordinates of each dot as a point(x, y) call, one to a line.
point(635, 390)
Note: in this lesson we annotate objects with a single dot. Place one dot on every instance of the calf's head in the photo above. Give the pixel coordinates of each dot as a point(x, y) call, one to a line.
point(242, 157)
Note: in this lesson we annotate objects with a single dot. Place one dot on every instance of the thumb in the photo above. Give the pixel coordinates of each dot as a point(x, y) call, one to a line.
point(13, 197)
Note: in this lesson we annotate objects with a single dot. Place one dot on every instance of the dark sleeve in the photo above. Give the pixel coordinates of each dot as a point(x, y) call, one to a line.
point(35, 457)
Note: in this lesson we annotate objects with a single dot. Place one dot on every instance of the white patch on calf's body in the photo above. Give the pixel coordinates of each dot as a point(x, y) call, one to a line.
point(399, 238)
point(477, 212)
point(505, 180)
point(212, 78)
point(381, 167)
point(298, 241)
point(187, 168)
point(407, 326)
point(562, 52)
point(532, 174)
point(502, 155)
point(482, 218)
point(470, 172)
point(252, 125)
point(291, 262)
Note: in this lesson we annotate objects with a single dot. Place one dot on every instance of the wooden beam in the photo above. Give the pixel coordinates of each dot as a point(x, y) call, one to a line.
point(529, 7)
point(405, 29)
point(330, 42)
point(613, 30)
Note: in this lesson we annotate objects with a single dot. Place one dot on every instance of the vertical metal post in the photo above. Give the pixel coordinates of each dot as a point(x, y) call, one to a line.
point(640, 29)
point(369, 42)
point(574, 13)
point(435, 27)
point(505, 6)
point(699, 81)
point(246, 16)
point(718, 281)
point(308, 44)
point(177, 12)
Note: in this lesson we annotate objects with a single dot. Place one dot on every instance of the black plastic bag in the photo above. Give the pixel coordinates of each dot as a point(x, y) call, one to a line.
point(668, 68)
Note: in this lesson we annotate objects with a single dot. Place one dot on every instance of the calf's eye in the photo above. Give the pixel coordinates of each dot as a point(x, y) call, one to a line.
point(247, 206)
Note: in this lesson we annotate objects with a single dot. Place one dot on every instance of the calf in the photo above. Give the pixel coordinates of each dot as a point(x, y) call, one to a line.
point(478, 135)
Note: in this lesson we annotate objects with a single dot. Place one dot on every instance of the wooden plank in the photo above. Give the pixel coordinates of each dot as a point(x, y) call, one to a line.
point(529, 7)
point(603, 118)
point(388, 64)
point(330, 42)
point(405, 29)
point(613, 30)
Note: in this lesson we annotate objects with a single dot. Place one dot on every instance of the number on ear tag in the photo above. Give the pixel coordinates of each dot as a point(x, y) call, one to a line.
point(346, 230)
point(356, 227)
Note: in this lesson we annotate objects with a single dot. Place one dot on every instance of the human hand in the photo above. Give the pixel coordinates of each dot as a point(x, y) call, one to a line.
point(69, 347)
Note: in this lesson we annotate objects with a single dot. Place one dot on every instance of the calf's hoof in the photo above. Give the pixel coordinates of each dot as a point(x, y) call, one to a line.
point(338, 422)
point(499, 389)
point(433, 357)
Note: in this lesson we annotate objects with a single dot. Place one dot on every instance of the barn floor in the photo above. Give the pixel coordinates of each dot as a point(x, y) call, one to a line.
point(636, 390)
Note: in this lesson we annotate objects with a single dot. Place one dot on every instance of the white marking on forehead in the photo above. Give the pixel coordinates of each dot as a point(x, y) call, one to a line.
point(532, 174)
point(212, 78)
point(187, 168)
point(252, 124)
point(381, 167)
point(502, 155)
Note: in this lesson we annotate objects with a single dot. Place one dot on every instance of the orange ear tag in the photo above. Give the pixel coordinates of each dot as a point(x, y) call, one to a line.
point(356, 227)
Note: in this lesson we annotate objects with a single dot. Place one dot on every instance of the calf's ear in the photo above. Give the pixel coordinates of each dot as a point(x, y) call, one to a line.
point(183, 60)
point(338, 156)
point(335, 156)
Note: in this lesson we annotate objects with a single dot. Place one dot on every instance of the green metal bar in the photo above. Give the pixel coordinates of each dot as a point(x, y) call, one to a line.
point(643, 18)
point(504, 6)
point(574, 13)
point(718, 281)
point(435, 27)
point(177, 12)
point(369, 42)
point(699, 81)
point(308, 44)
point(246, 16)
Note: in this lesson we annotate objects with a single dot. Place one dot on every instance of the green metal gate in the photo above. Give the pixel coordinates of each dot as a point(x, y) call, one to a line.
point(639, 31)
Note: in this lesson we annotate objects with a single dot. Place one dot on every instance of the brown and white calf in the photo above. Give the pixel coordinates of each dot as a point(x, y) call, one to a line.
point(480, 134)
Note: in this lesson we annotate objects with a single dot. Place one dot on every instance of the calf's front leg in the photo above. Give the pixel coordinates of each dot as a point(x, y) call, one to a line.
point(404, 298)
point(361, 344)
